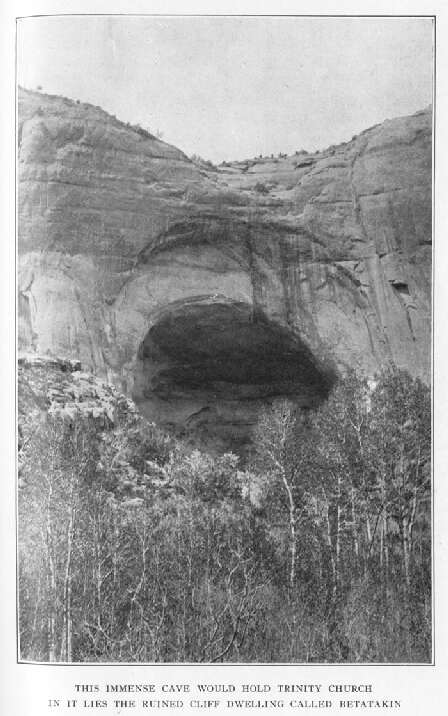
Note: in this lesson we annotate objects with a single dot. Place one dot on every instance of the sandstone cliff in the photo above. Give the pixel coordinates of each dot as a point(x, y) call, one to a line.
point(205, 293)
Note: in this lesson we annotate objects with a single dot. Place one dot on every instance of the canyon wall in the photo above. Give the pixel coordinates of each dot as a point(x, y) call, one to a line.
point(204, 292)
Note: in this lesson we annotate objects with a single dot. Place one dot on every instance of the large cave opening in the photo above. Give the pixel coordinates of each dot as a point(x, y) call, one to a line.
point(206, 368)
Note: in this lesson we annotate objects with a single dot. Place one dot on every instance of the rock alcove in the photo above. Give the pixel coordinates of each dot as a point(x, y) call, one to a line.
point(206, 368)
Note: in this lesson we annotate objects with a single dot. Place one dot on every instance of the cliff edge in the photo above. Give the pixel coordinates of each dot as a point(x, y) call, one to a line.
point(205, 292)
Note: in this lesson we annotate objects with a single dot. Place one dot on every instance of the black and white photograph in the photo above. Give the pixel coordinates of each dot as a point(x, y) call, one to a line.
point(224, 339)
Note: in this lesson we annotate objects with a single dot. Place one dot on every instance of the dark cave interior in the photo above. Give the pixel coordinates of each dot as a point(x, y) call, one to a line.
point(206, 368)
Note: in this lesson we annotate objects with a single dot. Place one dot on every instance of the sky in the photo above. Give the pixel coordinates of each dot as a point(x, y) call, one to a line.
point(232, 88)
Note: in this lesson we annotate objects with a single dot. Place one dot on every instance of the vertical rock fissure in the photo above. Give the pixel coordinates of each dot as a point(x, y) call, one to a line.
point(254, 274)
point(286, 283)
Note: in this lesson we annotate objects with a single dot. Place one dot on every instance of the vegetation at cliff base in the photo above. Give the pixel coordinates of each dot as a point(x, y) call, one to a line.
point(133, 547)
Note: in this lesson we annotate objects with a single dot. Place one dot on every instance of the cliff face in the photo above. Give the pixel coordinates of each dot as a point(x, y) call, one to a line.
point(204, 294)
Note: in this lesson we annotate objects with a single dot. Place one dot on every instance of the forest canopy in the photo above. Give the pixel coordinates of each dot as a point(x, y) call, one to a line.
point(134, 547)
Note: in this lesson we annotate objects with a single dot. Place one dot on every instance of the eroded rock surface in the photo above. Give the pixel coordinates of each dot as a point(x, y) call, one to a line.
point(205, 293)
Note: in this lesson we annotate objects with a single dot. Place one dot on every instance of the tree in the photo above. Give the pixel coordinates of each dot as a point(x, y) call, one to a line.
point(57, 461)
point(132, 547)
point(400, 468)
point(274, 441)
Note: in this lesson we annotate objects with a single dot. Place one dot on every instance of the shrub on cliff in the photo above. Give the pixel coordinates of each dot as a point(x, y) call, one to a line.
point(261, 188)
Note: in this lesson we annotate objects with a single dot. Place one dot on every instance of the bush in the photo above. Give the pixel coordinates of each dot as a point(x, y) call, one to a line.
point(261, 188)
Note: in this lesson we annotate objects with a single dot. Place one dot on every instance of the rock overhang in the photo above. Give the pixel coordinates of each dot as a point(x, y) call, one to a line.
point(331, 265)
point(220, 358)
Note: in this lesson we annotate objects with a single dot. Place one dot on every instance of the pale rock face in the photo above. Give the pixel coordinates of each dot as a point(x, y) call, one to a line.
point(206, 294)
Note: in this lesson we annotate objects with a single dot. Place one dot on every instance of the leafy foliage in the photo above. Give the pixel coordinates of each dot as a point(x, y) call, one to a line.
point(134, 548)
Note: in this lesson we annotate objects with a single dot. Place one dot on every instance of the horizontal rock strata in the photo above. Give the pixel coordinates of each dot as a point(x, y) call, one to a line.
point(205, 293)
